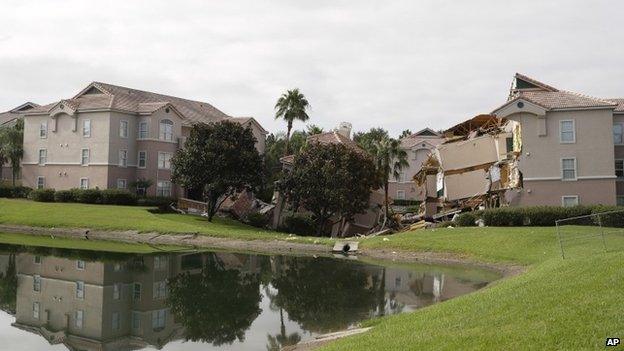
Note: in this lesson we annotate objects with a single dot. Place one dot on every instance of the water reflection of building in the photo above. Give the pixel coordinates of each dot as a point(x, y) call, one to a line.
point(105, 306)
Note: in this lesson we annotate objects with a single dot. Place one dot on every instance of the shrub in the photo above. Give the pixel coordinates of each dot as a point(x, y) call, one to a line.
point(118, 197)
point(14, 191)
point(162, 202)
point(405, 202)
point(64, 196)
point(257, 220)
point(42, 195)
point(615, 219)
point(466, 219)
point(446, 224)
point(503, 217)
point(299, 224)
point(88, 196)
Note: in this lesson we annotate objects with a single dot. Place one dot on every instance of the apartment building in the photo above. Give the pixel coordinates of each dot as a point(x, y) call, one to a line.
point(8, 119)
point(572, 145)
point(108, 136)
point(417, 146)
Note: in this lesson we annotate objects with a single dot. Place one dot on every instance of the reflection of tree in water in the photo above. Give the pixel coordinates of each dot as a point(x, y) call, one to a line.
point(325, 295)
point(278, 341)
point(217, 305)
point(8, 287)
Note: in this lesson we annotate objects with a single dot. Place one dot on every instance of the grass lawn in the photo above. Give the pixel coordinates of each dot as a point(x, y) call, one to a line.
point(108, 217)
point(571, 304)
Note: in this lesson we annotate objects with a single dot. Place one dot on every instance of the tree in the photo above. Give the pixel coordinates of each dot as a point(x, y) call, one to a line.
point(367, 139)
point(216, 305)
point(12, 147)
point(141, 185)
point(313, 129)
point(390, 160)
point(274, 150)
point(405, 133)
point(328, 180)
point(218, 159)
point(291, 106)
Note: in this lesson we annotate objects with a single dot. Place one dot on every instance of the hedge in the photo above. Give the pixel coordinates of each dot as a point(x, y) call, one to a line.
point(15, 191)
point(405, 202)
point(42, 195)
point(118, 197)
point(64, 196)
point(542, 216)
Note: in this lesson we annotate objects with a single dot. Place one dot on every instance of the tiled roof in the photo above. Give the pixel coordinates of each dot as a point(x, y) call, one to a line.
point(17, 112)
point(620, 104)
point(139, 101)
point(332, 137)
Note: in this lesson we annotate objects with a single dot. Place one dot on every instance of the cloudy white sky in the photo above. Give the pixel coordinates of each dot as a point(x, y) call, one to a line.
point(397, 64)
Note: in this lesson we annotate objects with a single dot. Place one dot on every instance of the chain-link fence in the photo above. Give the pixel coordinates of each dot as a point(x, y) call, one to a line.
point(599, 232)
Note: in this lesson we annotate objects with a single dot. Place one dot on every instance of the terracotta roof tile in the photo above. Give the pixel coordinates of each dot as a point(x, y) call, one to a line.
point(620, 104)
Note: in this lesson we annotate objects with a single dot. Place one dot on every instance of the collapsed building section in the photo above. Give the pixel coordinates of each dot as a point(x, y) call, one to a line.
point(475, 167)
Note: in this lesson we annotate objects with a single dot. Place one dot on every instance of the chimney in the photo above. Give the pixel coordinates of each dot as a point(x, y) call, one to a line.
point(344, 129)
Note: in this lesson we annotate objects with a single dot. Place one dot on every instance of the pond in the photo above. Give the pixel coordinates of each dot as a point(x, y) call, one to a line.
point(57, 299)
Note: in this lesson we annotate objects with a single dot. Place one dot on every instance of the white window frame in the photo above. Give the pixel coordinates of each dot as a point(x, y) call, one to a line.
point(621, 169)
point(159, 319)
point(117, 291)
point(143, 134)
point(43, 130)
point(81, 265)
point(37, 260)
point(82, 157)
point(399, 197)
point(563, 198)
point(86, 128)
point(122, 184)
point(40, 182)
point(134, 291)
point(123, 129)
point(166, 163)
point(115, 321)
point(86, 186)
point(80, 290)
point(561, 131)
point(575, 169)
point(163, 134)
point(144, 159)
point(136, 321)
point(159, 290)
point(43, 157)
point(160, 188)
point(79, 319)
point(123, 158)
point(37, 283)
point(36, 309)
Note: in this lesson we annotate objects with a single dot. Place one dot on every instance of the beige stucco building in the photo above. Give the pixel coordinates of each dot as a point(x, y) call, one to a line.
point(8, 119)
point(108, 136)
point(572, 145)
point(417, 146)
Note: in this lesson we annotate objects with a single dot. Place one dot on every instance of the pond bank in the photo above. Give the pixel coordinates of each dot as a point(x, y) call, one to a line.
point(258, 246)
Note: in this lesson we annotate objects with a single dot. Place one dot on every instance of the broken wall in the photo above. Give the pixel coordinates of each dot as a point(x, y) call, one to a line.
point(467, 153)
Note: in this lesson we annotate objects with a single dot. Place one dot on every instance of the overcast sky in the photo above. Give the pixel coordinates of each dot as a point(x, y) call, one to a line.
point(396, 64)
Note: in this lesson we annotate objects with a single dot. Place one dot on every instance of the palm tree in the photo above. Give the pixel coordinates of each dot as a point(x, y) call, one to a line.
point(12, 146)
point(291, 106)
point(390, 160)
point(313, 129)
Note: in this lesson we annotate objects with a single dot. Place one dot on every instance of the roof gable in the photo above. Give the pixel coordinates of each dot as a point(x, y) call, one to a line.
point(427, 132)
point(523, 82)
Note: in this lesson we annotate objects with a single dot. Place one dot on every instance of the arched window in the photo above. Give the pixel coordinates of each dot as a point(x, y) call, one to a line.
point(166, 130)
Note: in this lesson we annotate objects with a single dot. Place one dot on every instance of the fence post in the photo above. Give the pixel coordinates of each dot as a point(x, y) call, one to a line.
point(604, 243)
point(559, 238)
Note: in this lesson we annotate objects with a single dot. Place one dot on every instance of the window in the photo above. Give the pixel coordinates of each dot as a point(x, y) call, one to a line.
point(166, 130)
point(143, 130)
point(160, 262)
point(158, 319)
point(163, 188)
point(618, 131)
point(142, 159)
point(123, 129)
point(136, 292)
point(37, 259)
point(80, 265)
point(401, 194)
point(620, 200)
point(566, 132)
point(115, 322)
point(86, 128)
point(122, 184)
point(123, 158)
point(164, 160)
point(84, 183)
point(136, 321)
point(568, 169)
point(116, 291)
point(43, 130)
point(36, 283)
point(43, 156)
point(117, 267)
point(78, 318)
point(40, 182)
point(619, 168)
point(84, 160)
point(569, 200)
point(36, 308)
point(160, 290)
point(80, 290)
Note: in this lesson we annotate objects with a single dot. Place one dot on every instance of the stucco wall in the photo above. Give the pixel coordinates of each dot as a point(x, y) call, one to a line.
point(549, 192)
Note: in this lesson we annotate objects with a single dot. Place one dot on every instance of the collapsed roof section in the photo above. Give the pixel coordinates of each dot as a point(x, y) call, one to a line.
point(475, 166)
